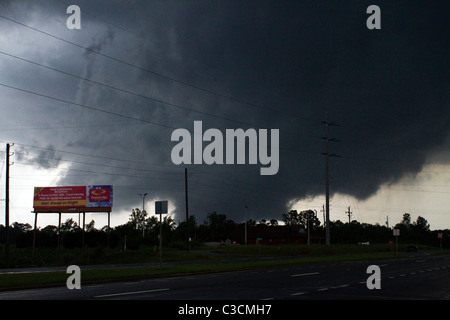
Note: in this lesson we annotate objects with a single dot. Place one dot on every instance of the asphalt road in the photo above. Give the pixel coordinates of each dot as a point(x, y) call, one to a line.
point(415, 277)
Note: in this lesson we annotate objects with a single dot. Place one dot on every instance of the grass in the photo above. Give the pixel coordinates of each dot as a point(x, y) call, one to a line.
point(238, 258)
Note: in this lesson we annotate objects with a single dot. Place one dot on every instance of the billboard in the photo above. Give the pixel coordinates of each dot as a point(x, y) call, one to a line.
point(73, 198)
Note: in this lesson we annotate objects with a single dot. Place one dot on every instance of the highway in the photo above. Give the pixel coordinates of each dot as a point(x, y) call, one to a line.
point(419, 276)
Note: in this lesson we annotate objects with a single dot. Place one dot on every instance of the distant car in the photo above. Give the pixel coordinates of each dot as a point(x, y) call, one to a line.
point(411, 249)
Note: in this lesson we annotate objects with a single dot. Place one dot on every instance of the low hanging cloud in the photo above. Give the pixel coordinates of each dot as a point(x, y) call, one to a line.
point(44, 158)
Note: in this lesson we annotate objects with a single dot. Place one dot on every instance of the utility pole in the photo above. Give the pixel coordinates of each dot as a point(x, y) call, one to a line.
point(187, 206)
point(7, 206)
point(323, 213)
point(143, 209)
point(349, 213)
point(327, 174)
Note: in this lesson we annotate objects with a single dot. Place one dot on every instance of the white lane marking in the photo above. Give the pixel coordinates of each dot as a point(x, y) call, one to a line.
point(129, 293)
point(297, 293)
point(304, 274)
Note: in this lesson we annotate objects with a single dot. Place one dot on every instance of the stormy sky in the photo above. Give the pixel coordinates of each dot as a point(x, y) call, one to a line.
point(98, 105)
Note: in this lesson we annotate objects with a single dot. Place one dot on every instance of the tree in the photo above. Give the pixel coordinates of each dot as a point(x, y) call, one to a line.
point(151, 223)
point(90, 226)
point(406, 221)
point(262, 222)
point(420, 229)
point(69, 225)
point(294, 218)
point(218, 228)
point(21, 227)
point(168, 226)
point(169, 223)
point(422, 224)
point(137, 218)
point(308, 219)
point(291, 218)
point(182, 230)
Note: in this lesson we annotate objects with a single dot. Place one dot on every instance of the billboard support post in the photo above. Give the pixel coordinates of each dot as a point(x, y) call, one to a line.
point(109, 219)
point(59, 231)
point(82, 230)
point(34, 233)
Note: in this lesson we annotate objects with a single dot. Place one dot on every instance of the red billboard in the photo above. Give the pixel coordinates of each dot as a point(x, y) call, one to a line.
point(72, 197)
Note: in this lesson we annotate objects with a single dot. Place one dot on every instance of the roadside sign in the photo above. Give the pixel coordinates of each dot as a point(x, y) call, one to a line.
point(396, 234)
point(440, 239)
point(160, 207)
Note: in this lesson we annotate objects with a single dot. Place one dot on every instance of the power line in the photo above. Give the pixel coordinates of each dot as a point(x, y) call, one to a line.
point(184, 83)
point(99, 164)
point(197, 111)
point(87, 107)
point(95, 156)
point(97, 172)
point(178, 106)
point(168, 103)
point(106, 111)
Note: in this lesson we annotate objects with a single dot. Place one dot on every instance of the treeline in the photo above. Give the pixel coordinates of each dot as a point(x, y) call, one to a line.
point(143, 230)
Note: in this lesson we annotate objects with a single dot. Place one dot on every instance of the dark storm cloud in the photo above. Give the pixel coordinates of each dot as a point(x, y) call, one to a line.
point(388, 90)
point(267, 64)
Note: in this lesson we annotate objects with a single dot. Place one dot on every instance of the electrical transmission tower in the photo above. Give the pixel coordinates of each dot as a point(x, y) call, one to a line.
point(349, 213)
point(327, 175)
